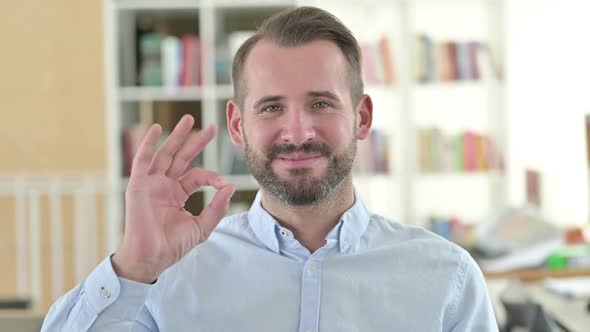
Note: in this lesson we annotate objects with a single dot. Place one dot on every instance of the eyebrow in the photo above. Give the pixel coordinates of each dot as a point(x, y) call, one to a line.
point(326, 94)
point(268, 99)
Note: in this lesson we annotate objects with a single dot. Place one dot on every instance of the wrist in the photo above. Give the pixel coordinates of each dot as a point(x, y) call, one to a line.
point(132, 270)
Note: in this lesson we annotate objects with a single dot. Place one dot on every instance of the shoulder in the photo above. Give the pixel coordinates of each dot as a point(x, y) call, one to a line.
point(417, 245)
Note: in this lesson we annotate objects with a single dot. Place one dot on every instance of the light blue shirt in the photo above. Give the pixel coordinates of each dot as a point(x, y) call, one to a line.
point(372, 275)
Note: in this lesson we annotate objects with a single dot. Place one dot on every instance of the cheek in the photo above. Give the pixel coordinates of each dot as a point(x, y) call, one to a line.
point(338, 131)
point(259, 135)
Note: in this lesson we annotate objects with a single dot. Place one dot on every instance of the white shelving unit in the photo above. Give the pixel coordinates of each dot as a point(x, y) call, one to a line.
point(404, 194)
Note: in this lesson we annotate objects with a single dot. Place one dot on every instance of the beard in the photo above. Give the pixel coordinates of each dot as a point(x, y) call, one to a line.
point(301, 188)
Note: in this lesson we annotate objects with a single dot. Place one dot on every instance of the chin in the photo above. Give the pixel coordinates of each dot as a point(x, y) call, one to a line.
point(297, 172)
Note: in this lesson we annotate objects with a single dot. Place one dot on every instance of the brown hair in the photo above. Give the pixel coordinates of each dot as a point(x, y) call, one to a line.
point(295, 27)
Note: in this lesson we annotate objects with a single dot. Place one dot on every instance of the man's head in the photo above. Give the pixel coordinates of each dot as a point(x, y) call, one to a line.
point(296, 27)
point(299, 108)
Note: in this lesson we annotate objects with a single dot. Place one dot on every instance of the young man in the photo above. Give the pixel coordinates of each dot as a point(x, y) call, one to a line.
point(308, 256)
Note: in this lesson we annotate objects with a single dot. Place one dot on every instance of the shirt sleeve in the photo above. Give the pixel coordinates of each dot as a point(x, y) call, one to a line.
point(470, 308)
point(102, 302)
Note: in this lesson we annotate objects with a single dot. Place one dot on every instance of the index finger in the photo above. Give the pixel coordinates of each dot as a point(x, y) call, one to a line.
point(145, 152)
point(190, 150)
point(163, 157)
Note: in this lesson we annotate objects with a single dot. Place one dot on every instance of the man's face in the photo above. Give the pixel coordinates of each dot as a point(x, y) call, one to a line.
point(298, 125)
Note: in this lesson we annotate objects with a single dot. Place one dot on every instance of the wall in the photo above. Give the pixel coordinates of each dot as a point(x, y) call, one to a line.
point(52, 102)
point(549, 67)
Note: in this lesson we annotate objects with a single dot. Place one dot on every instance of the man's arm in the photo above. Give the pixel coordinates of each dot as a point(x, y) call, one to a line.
point(159, 231)
point(470, 308)
point(103, 302)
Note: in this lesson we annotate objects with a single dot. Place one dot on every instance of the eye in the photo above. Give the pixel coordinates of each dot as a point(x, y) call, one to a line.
point(320, 105)
point(271, 109)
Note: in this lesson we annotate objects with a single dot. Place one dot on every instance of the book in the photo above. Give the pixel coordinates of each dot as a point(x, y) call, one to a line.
point(462, 60)
point(380, 142)
point(150, 59)
point(191, 73)
point(452, 60)
point(172, 57)
point(472, 51)
point(429, 61)
point(481, 153)
point(419, 63)
point(469, 151)
point(387, 59)
point(424, 149)
point(368, 64)
point(436, 150)
point(373, 154)
point(533, 187)
point(443, 66)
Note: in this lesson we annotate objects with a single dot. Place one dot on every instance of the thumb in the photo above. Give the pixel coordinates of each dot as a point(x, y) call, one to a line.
point(215, 211)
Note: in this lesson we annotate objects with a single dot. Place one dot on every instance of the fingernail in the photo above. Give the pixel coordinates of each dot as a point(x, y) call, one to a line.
point(219, 181)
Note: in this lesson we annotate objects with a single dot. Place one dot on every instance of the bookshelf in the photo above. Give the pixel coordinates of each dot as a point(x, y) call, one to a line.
point(402, 104)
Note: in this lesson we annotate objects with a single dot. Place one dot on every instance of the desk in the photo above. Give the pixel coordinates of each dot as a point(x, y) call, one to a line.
point(537, 274)
point(570, 312)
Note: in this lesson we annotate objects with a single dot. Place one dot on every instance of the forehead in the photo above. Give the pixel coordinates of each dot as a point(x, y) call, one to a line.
point(294, 71)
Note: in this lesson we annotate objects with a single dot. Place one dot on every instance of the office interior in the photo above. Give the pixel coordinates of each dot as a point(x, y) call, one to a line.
point(481, 133)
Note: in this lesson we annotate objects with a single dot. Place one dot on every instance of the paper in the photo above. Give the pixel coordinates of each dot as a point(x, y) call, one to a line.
point(578, 287)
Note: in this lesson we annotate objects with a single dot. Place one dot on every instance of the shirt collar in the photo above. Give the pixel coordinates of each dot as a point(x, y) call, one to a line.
point(348, 231)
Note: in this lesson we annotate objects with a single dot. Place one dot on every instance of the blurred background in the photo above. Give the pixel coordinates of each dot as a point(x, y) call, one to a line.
point(481, 130)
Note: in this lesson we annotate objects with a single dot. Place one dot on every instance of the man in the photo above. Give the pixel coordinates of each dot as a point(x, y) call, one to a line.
point(308, 256)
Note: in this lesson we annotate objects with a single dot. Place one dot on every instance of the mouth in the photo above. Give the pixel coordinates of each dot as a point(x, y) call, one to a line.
point(299, 159)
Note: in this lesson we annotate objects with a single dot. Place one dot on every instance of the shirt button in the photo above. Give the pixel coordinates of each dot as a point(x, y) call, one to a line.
point(283, 233)
point(105, 293)
point(309, 330)
point(344, 245)
point(312, 265)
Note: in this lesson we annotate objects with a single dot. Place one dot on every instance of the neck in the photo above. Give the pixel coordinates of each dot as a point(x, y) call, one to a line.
point(311, 224)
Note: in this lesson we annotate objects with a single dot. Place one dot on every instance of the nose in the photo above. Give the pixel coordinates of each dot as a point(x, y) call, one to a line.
point(298, 127)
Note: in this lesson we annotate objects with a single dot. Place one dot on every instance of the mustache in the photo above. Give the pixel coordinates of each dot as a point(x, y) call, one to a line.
point(307, 147)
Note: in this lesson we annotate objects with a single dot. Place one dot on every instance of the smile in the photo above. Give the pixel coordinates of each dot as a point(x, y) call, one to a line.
point(298, 159)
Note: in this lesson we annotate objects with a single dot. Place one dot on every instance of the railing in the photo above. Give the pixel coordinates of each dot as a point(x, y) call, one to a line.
point(28, 191)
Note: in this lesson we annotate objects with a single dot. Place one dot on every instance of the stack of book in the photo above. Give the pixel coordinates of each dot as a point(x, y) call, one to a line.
point(444, 61)
point(377, 63)
point(466, 152)
point(170, 61)
point(373, 154)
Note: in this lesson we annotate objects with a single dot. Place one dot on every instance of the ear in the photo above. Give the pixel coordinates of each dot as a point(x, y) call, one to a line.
point(364, 111)
point(234, 123)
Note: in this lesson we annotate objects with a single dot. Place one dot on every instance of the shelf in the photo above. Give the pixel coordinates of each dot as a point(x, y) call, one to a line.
point(157, 5)
point(188, 93)
point(224, 91)
point(460, 175)
point(458, 84)
point(146, 93)
point(232, 4)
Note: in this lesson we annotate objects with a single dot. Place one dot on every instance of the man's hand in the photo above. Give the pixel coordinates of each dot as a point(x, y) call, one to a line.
point(158, 229)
